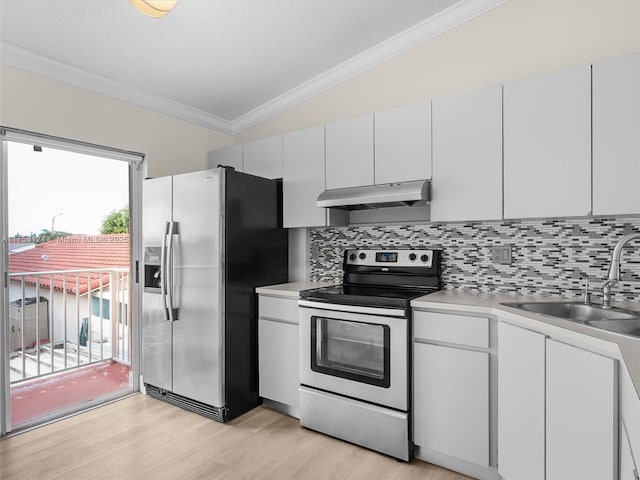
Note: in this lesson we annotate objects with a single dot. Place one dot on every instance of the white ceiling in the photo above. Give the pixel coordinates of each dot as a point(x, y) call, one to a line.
point(224, 64)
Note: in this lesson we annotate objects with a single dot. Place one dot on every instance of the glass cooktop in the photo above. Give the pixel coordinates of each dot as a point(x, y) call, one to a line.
point(365, 295)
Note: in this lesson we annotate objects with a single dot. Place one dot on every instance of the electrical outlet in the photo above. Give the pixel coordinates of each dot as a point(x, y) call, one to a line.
point(501, 254)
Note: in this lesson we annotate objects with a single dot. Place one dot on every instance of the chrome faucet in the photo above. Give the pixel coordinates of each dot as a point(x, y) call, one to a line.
point(614, 268)
point(587, 295)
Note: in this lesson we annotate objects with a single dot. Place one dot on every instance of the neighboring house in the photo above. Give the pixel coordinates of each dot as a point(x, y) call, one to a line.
point(71, 296)
point(20, 244)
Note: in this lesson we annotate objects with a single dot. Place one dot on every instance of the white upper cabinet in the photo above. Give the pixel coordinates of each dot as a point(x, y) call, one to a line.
point(263, 158)
point(229, 156)
point(467, 156)
point(403, 144)
point(349, 153)
point(616, 136)
point(547, 145)
point(303, 178)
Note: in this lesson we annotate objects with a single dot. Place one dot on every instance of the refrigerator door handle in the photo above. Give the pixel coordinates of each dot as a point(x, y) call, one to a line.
point(169, 286)
point(163, 272)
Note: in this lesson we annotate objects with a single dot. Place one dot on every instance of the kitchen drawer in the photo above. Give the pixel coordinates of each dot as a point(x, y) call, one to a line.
point(279, 308)
point(451, 328)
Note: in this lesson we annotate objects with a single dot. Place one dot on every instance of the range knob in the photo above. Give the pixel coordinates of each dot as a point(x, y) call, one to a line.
point(412, 256)
point(362, 256)
point(352, 256)
point(424, 258)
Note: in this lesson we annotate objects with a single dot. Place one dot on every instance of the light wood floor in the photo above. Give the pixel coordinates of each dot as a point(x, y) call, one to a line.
point(140, 437)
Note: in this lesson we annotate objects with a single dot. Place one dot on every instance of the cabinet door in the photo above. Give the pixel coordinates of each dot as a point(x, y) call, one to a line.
point(616, 143)
point(303, 178)
point(547, 145)
point(628, 468)
point(278, 361)
point(231, 156)
point(403, 144)
point(349, 146)
point(582, 416)
point(263, 158)
point(467, 157)
point(629, 412)
point(521, 403)
point(451, 402)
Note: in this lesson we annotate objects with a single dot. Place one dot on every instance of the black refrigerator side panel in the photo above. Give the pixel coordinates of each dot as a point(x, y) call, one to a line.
point(256, 254)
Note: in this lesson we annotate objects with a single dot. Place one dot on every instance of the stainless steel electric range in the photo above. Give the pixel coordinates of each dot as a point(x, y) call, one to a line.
point(355, 348)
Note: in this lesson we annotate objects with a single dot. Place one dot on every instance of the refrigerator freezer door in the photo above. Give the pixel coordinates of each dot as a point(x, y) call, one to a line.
point(156, 331)
point(197, 287)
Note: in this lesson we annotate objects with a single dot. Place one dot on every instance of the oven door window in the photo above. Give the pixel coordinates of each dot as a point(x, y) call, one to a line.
point(353, 350)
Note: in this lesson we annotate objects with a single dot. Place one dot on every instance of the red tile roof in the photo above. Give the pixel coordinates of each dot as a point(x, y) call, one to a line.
point(76, 252)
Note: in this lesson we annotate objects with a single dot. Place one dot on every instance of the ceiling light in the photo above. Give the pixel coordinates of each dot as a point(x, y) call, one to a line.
point(154, 8)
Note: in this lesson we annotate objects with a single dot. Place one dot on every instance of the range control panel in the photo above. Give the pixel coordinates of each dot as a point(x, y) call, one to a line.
point(399, 258)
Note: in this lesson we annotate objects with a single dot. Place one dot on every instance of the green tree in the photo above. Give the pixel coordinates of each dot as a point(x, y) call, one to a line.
point(116, 222)
point(48, 235)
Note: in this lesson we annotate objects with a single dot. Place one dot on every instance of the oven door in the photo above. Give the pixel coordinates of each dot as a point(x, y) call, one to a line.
point(363, 356)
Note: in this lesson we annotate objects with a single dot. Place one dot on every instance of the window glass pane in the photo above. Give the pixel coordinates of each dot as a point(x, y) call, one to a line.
point(95, 307)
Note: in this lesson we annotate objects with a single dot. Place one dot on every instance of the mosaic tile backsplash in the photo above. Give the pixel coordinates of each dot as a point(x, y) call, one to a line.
point(548, 256)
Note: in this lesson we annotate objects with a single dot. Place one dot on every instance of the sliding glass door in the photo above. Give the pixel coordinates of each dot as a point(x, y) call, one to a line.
point(69, 225)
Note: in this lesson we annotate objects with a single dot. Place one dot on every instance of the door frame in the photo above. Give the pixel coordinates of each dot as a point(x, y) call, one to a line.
point(137, 172)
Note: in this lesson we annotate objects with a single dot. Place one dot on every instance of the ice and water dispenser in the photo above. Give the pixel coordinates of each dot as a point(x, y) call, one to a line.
point(152, 269)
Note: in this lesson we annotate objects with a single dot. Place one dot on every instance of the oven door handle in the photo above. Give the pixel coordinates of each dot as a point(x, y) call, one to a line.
point(385, 312)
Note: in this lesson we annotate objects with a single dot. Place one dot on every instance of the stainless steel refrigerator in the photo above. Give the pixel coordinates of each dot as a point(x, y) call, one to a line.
point(209, 239)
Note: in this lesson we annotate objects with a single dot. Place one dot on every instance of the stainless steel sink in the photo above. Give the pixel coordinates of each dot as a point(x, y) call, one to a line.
point(618, 320)
point(575, 310)
point(630, 326)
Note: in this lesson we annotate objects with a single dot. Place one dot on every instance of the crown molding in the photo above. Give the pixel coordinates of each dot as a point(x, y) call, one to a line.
point(453, 16)
point(22, 59)
point(405, 40)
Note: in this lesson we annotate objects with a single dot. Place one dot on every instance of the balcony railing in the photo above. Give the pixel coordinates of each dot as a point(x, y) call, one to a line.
point(63, 319)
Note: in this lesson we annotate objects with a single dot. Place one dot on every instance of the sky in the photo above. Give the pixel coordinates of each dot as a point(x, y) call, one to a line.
point(78, 190)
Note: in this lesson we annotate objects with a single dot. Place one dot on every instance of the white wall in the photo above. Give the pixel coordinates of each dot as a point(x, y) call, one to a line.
point(35, 103)
point(518, 39)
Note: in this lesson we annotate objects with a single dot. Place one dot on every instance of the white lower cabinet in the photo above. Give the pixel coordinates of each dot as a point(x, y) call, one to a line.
point(452, 401)
point(520, 403)
point(452, 392)
point(628, 467)
point(278, 339)
point(557, 409)
point(629, 405)
point(582, 414)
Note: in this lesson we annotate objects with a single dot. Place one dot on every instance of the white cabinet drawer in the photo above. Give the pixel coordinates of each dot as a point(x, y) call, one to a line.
point(278, 308)
point(451, 328)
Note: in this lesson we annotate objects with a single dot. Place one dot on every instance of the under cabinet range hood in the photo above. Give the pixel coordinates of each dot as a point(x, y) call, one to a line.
point(376, 196)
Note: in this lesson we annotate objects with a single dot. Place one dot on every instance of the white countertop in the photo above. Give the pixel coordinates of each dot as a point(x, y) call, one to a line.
point(291, 290)
point(625, 347)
